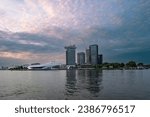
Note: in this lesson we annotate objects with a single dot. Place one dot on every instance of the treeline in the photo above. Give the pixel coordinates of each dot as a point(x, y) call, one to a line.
point(128, 65)
point(18, 68)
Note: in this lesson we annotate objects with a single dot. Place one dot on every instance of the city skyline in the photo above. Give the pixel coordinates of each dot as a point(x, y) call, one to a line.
point(37, 30)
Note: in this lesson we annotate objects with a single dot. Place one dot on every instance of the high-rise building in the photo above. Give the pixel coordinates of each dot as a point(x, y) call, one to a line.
point(70, 55)
point(81, 58)
point(93, 54)
point(100, 59)
point(87, 56)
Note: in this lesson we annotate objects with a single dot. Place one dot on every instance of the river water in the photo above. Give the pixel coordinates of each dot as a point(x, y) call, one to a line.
point(75, 84)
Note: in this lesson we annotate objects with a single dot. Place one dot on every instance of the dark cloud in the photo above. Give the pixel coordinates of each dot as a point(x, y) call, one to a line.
point(27, 42)
point(130, 40)
point(121, 37)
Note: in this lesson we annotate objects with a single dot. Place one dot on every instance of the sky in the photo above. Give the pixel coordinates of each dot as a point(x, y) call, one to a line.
point(37, 30)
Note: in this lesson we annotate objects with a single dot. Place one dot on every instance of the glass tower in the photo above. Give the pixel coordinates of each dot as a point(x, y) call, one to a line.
point(87, 56)
point(93, 54)
point(100, 59)
point(81, 58)
point(70, 55)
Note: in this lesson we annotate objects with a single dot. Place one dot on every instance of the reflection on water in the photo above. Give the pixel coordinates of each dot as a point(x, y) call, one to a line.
point(71, 82)
point(94, 79)
point(89, 80)
point(75, 84)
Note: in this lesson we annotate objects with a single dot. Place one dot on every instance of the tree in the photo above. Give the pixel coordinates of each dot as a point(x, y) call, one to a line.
point(131, 64)
point(116, 65)
point(122, 65)
point(140, 64)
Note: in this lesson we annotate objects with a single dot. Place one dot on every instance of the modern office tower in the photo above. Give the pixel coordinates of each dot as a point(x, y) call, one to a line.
point(87, 56)
point(81, 58)
point(100, 59)
point(70, 55)
point(93, 54)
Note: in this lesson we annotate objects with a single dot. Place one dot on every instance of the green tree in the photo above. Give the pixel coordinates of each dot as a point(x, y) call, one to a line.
point(140, 64)
point(122, 65)
point(131, 64)
point(116, 65)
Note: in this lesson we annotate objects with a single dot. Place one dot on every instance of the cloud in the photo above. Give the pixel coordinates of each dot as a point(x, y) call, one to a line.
point(30, 42)
point(126, 41)
point(43, 27)
point(32, 16)
point(27, 47)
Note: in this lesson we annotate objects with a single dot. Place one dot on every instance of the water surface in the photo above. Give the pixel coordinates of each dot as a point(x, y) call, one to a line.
point(75, 84)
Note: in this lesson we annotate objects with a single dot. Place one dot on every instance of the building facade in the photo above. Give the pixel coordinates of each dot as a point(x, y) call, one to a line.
point(87, 56)
point(100, 59)
point(70, 55)
point(81, 58)
point(93, 54)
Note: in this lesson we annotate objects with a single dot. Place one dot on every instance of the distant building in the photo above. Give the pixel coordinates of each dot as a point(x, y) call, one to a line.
point(46, 66)
point(100, 59)
point(87, 56)
point(93, 54)
point(81, 58)
point(35, 64)
point(70, 55)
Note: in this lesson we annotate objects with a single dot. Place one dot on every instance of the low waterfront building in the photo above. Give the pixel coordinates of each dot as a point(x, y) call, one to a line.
point(46, 66)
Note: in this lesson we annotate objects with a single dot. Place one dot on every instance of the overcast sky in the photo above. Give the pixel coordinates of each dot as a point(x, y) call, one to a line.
point(38, 30)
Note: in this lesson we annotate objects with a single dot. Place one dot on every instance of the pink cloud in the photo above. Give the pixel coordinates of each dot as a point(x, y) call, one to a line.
point(27, 56)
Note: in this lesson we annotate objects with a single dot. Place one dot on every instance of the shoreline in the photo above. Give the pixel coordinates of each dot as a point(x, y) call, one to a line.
point(72, 69)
